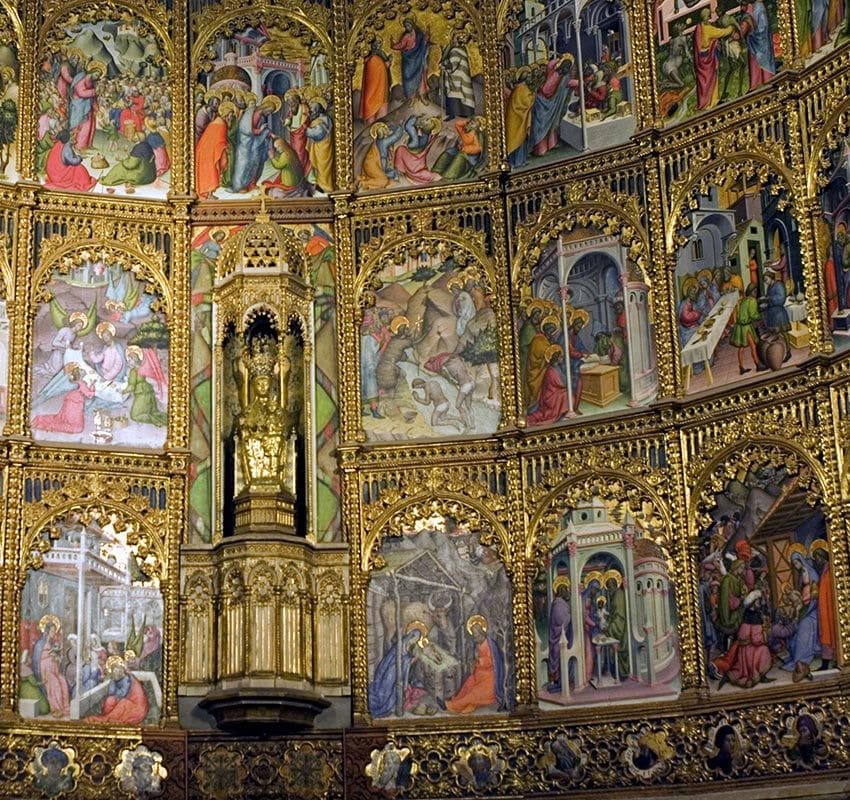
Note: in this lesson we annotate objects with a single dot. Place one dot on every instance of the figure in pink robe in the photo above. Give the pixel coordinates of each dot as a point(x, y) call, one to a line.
point(71, 416)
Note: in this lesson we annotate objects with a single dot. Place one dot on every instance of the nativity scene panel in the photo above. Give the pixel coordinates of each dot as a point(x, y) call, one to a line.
point(429, 347)
point(568, 81)
point(440, 640)
point(585, 285)
point(100, 360)
point(708, 53)
point(91, 624)
point(105, 110)
point(418, 102)
point(741, 303)
point(263, 115)
point(766, 588)
point(604, 612)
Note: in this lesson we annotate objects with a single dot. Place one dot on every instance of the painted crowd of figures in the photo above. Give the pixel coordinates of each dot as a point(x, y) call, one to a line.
point(402, 101)
point(767, 593)
point(105, 112)
point(267, 125)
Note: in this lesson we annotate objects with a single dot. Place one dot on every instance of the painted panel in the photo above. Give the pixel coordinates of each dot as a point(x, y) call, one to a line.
point(105, 111)
point(9, 68)
point(264, 116)
point(822, 26)
point(91, 627)
point(440, 636)
point(100, 361)
point(741, 306)
point(568, 84)
point(604, 612)
point(766, 588)
point(418, 100)
point(708, 53)
point(428, 351)
point(834, 241)
point(585, 285)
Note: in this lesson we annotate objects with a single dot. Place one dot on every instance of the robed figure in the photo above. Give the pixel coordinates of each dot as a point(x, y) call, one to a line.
point(413, 46)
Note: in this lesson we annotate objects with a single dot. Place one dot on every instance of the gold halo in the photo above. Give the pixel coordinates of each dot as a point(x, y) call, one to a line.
point(561, 580)
point(226, 108)
point(416, 625)
point(129, 655)
point(594, 575)
point(551, 350)
point(476, 619)
point(550, 320)
point(272, 101)
point(219, 229)
point(78, 316)
point(51, 619)
point(602, 599)
point(796, 547)
point(689, 283)
point(397, 322)
point(579, 314)
point(134, 350)
point(615, 574)
point(455, 281)
point(819, 544)
point(115, 661)
point(96, 66)
point(704, 273)
point(102, 327)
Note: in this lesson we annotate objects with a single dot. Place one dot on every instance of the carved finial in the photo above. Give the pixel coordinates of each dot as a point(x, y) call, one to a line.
point(263, 216)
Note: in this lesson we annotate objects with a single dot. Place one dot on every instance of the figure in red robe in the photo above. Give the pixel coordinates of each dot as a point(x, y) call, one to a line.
point(126, 702)
point(485, 685)
point(71, 416)
point(64, 168)
point(707, 59)
point(552, 404)
point(132, 118)
point(826, 603)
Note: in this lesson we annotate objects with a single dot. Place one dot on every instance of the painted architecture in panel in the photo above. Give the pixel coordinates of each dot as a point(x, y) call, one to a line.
point(264, 116)
point(741, 305)
point(568, 81)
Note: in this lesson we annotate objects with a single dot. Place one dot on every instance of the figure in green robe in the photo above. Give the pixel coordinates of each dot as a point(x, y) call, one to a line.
point(730, 600)
point(144, 408)
point(618, 624)
point(138, 169)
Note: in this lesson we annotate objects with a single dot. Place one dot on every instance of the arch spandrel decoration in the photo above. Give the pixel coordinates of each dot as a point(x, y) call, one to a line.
point(419, 105)
point(100, 367)
point(604, 605)
point(92, 614)
point(118, 59)
point(263, 102)
point(745, 302)
point(438, 592)
point(770, 580)
point(428, 294)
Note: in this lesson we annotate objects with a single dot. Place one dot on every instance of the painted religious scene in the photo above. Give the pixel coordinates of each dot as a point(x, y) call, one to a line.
point(100, 360)
point(741, 305)
point(429, 349)
point(9, 68)
point(568, 84)
point(604, 612)
point(584, 284)
point(708, 53)
point(91, 626)
point(834, 238)
point(418, 103)
point(438, 616)
point(822, 25)
point(104, 115)
point(766, 587)
point(264, 116)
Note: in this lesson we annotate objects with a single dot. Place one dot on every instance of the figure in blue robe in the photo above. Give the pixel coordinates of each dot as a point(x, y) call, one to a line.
point(382, 689)
point(414, 58)
point(251, 151)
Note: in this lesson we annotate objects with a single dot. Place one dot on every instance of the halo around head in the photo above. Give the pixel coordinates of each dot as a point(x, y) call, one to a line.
point(615, 574)
point(476, 620)
point(49, 619)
